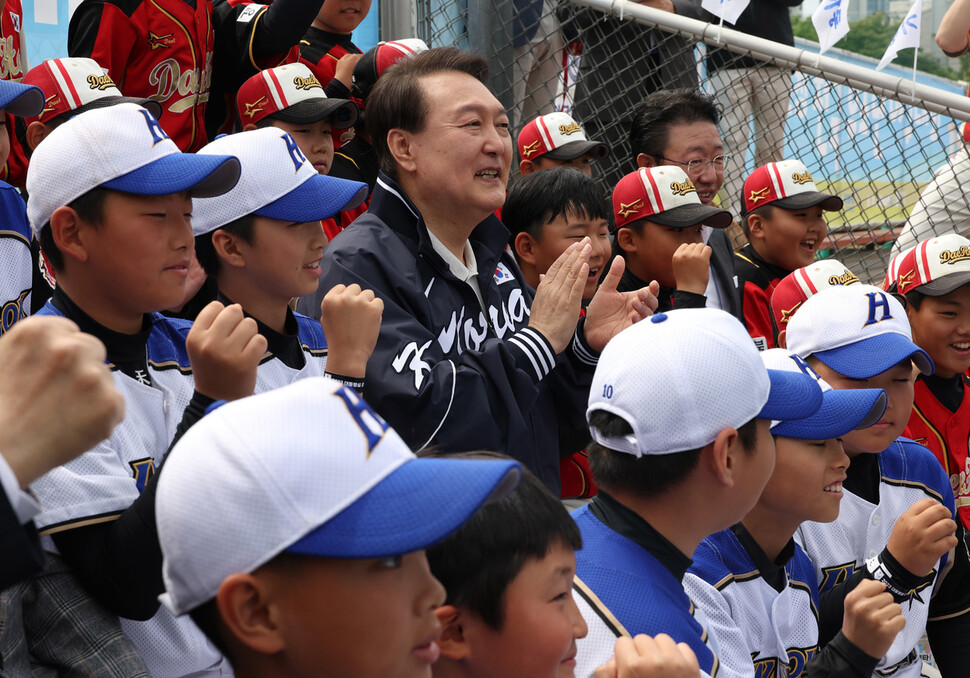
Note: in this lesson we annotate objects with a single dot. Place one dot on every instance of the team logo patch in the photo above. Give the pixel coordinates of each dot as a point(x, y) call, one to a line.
point(502, 274)
point(15, 18)
point(683, 188)
point(571, 128)
point(307, 83)
point(45, 270)
point(248, 13)
point(628, 208)
point(529, 149)
point(50, 103)
point(786, 315)
point(801, 178)
point(142, 470)
point(252, 108)
point(760, 194)
point(101, 82)
point(155, 41)
point(847, 278)
point(953, 256)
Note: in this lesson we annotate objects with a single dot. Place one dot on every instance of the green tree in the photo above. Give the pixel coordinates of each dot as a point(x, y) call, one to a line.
point(871, 36)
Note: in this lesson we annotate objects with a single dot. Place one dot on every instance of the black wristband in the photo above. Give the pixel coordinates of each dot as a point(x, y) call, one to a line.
point(355, 383)
point(900, 582)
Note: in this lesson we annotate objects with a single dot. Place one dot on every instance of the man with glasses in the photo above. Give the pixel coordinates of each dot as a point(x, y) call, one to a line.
point(679, 128)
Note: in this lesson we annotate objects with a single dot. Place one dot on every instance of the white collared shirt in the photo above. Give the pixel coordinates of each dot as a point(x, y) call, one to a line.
point(466, 272)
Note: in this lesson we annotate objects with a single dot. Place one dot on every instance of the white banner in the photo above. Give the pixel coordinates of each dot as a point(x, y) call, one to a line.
point(728, 10)
point(831, 20)
point(906, 36)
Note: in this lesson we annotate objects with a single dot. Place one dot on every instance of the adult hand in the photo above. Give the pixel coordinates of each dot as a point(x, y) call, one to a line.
point(646, 657)
point(872, 619)
point(224, 348)
point(57, 395)
point(351, 321)
point(559, 297)
point(610, 312)
point(922, 535)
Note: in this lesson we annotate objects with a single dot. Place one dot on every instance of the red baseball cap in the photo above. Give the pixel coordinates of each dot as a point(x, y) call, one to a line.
point(291, 93)
point(378, 59)
point(77, 84)
point(787, 184)
point(936, 266)
point(796, 287)
point(559, 137)
point(664, 195)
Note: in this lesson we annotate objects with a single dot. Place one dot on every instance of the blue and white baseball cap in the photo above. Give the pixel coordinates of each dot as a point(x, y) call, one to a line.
point(277, 181)
point(122, 148)
point(308, 469)
point(842, 411)
point(857, 330)
point(19, 99)
point(680, 378)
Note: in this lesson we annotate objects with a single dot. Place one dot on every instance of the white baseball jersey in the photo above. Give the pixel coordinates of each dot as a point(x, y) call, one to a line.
point(761, 632)
point(908, 472)
point(274, 372)
point(16, 261)
point(100, 484)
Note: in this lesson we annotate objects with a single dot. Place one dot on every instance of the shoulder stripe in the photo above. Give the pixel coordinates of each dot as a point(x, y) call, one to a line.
point(741, 256)
point(915, 485)
point(15, 235)
point(317, 352)
point(170, 365)
point(731, 577)
point(80, 522)
point(603, 612)
point(348, 159)
point(939, 438)
point(795, 584)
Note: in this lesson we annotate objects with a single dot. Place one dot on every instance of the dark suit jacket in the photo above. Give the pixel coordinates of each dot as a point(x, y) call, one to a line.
point(19, 544)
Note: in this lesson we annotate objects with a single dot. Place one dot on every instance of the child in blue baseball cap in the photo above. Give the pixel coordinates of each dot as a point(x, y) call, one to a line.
point(755, 584)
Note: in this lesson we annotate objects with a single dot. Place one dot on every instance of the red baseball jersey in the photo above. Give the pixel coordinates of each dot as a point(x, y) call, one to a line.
point(160, 50)
point(947, 435)
point(321, 51)
point(341, 220)
point(13, 67)
point(757, 279)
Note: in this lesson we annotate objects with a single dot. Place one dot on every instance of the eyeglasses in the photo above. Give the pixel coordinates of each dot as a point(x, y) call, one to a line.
point(696, 167)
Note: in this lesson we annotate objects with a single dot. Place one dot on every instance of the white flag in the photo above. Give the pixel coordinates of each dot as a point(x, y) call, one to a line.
point(906, 36)
point(831, 20)
point(728, 10)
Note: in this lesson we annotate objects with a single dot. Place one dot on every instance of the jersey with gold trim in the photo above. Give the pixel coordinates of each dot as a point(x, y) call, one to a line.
point(157, 49)
point(13, 67)
point(774, 633)
point(16, 260)
point(623, 590)
point(236, 23)
point(947, 435)
point(908, 473)
point(104, 481)
point(757, 279)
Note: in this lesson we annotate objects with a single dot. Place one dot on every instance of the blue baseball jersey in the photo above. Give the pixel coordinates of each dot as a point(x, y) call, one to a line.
point(16, 260)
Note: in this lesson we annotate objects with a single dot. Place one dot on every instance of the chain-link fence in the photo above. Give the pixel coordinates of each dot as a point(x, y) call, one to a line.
point(876, 139)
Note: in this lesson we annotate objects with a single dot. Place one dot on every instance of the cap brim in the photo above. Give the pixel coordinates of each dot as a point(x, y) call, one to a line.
point(416, 506)
point(319, 197)
point(793, 395)
point(150, 105)
point(575, 149)
point(827, 201)
point(342, 112)
point(685, 216)
point(204, 176)
point(944, 284)
point(26, 101)
point(869, 357)
point(842, 411)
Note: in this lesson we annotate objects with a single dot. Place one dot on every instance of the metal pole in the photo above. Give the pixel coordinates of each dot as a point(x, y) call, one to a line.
point(398, 19)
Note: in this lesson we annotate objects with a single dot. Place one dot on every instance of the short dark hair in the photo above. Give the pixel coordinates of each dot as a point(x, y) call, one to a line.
point(242, 228)
point(477, 563)
point(914, 299)
point(540, 198)
point(764, 211)
point(398, 100)
point(650, 475)
point(652, 118)
point(90, 207)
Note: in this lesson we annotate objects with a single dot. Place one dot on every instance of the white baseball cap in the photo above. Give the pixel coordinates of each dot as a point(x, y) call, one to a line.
point(276, 181)
point(291, 93)
point(680, 378)
point(842, 411)
point(664, 195)
point(305, 469)
point(122, 148)
point(786, 184)
point(936, 266)
point(857, 330)
point(792, 290)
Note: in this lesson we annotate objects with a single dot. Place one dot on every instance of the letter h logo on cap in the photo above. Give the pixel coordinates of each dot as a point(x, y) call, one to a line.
point(158, 134)
point(875, 304)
